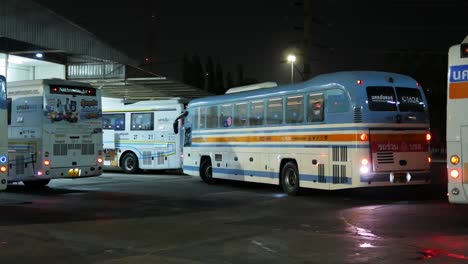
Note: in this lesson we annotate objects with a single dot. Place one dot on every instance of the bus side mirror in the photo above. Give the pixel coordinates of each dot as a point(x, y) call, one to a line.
point(175, 125)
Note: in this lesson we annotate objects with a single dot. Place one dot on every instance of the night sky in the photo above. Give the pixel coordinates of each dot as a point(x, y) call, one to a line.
point(345, 35)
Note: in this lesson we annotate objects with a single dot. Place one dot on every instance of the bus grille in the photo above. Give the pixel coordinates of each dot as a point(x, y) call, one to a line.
point(87, 149)
point(19, 162)
point(146, 157)
point(358, 115)
point(339, 174)
point(62, 149)
point(160, 158)
point(340, 153)
point(385, 157)
point(321, 173)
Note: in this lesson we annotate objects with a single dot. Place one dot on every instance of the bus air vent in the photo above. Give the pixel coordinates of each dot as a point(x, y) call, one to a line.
point(321, 173)
point(147, 160)
point(385, 157)
point(160, 158)
point(358, 115)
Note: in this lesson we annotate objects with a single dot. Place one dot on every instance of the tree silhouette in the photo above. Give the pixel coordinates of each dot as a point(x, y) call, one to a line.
point(229, 81)
point(219, 79)
point(210, 75)
point(198, 73)
point(240, 75)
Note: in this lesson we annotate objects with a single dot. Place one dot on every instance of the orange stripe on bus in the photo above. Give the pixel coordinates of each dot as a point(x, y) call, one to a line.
point(309, 138)
point(458, 90)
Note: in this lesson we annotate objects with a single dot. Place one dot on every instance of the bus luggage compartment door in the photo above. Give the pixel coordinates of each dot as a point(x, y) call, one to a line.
point(399, 150)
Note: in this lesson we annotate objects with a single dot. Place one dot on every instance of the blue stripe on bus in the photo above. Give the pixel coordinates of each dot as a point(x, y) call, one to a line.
point(263, 174)
point(247, 145)
point(337, 129)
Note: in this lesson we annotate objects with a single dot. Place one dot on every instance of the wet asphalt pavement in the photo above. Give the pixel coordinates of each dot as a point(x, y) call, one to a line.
point(172, 218)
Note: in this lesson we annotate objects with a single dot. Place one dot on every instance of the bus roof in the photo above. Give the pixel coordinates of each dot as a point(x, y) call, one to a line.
point(345, 80)
point(48, 82)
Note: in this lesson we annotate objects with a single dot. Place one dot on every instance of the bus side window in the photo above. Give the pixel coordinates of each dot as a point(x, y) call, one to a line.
point(257, 113)
point(202, 120)
point(275, 111)
point(295, 109)
point(113, 121)
point(212, 117)
point(142, 121)
point(240, 115)
point(315, 108)
point(225, 118)
point(195, 118)
point(337, 101)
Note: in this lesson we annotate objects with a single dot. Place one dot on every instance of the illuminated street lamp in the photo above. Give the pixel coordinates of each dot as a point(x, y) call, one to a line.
point(292, 59)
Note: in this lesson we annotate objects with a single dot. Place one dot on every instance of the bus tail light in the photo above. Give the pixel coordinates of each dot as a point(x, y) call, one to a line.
point(3, 169)
point(454, 174)
point(46, 162)
point(429, 159)
point(364, 166)
point(359, 82)
point(428, 137)
point(363, 137)
point(100, 160)
point(454, 159)
point(39, 173)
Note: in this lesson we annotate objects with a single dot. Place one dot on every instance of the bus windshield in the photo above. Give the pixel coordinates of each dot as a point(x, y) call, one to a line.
point(382, 98)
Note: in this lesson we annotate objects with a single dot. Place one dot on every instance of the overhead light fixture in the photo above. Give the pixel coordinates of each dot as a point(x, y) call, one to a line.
point(39, 55)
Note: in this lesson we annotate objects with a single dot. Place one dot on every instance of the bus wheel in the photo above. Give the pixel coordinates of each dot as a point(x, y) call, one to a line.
point(36, 183)
point(206, 171)
point(290, 178)
point(130, 163)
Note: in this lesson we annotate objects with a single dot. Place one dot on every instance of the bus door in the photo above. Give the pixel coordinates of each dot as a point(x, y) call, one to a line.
point(108, 138)
point(143, 135)
point(22, 159)
point(398, 150)
point(464, 138)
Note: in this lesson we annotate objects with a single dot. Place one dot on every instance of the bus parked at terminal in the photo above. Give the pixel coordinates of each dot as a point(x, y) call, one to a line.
point(457, 123)
point(138, 134)
point(3, 134)
point(54, 131)
point(335, 131)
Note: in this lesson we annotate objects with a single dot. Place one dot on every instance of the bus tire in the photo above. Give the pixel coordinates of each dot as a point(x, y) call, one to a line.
point(206, 171)
point(290, 178)
point(36, 184)
point(130, 163)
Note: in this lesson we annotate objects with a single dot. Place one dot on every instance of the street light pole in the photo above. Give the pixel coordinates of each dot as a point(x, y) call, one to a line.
point(292, 59)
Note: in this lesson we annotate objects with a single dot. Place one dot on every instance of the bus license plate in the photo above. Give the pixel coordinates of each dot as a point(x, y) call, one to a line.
point(399, 178)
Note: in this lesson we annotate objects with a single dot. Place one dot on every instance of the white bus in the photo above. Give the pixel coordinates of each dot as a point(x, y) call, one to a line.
point(3, 133)
point(457, 123)
point(138, 135)
point(335, 131)
point(54, 131)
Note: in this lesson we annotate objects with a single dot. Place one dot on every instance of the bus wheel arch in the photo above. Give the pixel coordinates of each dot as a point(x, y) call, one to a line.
point(289, 176)
point(206, 170)
point(129, 162)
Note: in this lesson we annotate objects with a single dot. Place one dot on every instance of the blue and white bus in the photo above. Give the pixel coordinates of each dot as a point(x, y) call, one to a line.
point(339, 130)
point(457, 123)
point(3, 134)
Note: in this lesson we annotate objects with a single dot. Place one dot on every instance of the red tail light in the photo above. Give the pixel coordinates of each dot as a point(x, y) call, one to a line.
point(428, 137)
